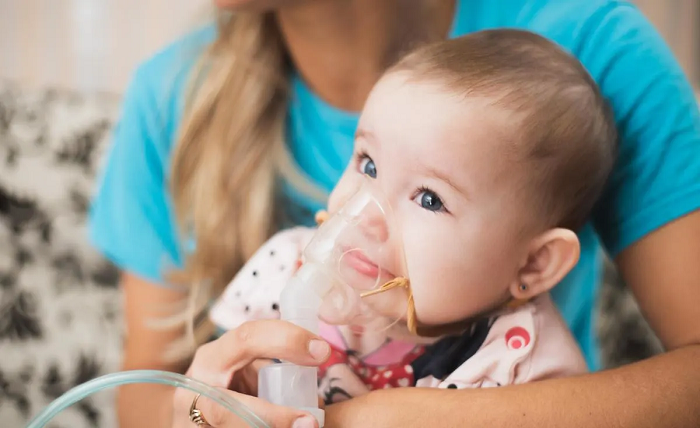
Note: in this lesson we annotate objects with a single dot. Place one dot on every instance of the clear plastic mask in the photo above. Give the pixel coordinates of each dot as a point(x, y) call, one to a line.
point(359, 249)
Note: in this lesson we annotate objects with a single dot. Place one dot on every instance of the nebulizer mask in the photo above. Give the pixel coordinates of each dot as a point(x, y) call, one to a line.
point(352, 256)
point(353, 273)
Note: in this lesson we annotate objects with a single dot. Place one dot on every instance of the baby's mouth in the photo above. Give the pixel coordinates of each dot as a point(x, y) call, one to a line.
point(359, 262)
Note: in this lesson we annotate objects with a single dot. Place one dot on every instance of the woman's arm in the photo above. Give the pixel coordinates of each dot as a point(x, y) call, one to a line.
point(664, 273)
point(146, 405)
point(132, 224)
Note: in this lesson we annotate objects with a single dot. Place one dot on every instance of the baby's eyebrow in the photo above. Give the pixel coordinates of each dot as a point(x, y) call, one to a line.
point(440, 175)
point(365, 135)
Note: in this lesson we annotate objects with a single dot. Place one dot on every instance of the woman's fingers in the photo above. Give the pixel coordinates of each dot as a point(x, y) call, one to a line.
point(218, 416)
point(215, 362)
point(245, 380)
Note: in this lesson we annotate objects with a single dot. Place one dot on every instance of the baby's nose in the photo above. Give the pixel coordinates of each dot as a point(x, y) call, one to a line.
point(374, 228)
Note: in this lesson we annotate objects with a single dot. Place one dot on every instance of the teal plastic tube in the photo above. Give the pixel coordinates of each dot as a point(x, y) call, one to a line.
point(113, 380)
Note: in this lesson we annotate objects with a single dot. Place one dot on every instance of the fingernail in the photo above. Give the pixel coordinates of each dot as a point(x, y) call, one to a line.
point(319, 349)
point(304, 422)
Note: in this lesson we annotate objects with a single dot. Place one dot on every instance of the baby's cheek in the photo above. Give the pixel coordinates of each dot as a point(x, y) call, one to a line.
point(428, 285)
point(434, 303)
point(438, 268)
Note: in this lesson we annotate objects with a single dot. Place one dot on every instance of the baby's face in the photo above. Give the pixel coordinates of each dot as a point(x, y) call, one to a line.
point(438, 159)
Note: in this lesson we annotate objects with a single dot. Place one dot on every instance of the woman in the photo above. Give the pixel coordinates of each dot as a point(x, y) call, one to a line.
point(201, 165)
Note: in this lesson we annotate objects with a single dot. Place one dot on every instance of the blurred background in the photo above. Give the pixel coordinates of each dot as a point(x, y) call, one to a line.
point(94, 44)
point(88, 44)
point(64, 65)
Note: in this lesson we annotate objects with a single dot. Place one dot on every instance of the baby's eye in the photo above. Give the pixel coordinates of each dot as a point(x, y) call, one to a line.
point(367, 166)
point(430, 201)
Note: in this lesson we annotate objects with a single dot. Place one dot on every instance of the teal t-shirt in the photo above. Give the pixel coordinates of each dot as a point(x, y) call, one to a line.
point(656, 180)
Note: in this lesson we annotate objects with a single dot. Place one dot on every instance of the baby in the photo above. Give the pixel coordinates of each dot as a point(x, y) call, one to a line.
point(492, 150)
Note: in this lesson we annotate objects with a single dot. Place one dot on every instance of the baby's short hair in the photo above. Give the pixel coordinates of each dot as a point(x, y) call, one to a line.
point(565, 132)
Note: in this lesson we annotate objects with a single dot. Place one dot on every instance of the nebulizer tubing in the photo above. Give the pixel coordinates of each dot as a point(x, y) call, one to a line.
point(112, 380)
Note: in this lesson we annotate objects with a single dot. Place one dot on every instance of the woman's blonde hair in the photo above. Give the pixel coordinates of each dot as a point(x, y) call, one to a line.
point(228, 159)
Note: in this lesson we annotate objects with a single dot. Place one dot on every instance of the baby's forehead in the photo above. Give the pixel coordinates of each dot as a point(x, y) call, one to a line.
point(423, 124)
point(427, 110)
point(432, 99)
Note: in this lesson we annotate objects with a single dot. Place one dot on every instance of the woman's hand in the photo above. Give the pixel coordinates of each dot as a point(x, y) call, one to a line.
point(232, 362)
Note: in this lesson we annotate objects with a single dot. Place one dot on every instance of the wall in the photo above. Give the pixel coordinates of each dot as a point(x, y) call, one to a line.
point(88, 44)
point(94, 44)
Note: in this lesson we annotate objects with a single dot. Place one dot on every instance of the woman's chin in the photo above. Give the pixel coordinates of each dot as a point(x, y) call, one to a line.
point(250, 5)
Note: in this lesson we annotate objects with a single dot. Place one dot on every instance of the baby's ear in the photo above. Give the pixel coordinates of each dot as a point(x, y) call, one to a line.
point(551, 257)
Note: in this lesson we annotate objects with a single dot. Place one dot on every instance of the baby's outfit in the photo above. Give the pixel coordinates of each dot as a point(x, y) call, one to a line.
point(516, 345)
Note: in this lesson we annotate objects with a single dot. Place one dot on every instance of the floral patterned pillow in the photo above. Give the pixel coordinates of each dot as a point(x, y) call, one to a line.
point(59, 305)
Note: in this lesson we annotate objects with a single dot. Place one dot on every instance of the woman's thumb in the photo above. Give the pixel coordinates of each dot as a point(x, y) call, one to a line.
point(285, 417)
point(277, 416)
point(306, 421)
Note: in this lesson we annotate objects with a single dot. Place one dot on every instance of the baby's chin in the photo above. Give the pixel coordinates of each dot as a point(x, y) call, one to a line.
point(400, 332)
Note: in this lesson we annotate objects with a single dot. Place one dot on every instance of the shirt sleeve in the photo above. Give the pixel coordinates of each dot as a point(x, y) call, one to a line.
point(657, 176)
point(131, 219)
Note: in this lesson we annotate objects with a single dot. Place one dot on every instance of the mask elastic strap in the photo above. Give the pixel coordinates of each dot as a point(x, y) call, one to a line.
point(411, 322)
